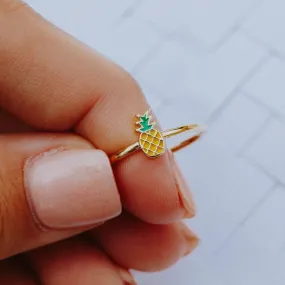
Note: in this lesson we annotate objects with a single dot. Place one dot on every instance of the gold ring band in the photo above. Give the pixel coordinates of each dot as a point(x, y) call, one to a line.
point(196, 129)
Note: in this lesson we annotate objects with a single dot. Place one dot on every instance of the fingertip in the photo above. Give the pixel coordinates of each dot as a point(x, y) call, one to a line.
point(150, 190)
point(145, 247)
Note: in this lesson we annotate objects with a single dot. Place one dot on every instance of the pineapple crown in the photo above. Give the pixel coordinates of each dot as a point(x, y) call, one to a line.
point(145, 122)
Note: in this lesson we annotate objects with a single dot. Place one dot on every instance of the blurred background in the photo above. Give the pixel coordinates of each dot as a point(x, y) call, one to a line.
point(221, 63)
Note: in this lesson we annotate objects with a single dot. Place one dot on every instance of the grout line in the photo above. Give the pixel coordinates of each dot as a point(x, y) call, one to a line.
point(149, 55)
point(263, 170)
point(280, 119)
point(146, 57)
point(254, 136)
point(189, 40)
point(250, 213)
point(236, 27)
point(258, 102)
point(224, 38)
point(127, 13)
point(271, 50)
point(275, 114)
point(215, 114)
point(256, 5)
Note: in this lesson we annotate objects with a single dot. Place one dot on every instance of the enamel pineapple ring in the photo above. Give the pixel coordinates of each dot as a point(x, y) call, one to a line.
point(152, 141)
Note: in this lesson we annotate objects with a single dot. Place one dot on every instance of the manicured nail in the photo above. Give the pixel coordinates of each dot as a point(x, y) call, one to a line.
point(126, 276)
point(191, 239)
point(71, 188)
point(183, 190)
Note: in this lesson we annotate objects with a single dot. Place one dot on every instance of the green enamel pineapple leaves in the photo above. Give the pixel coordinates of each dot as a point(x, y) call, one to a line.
point(145, 122)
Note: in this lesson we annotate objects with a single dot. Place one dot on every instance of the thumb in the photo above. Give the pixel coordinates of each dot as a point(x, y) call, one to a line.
point(51, 186)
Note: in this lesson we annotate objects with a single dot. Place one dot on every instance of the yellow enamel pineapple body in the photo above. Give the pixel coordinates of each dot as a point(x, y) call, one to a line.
point(151, 140)
point(152, 143)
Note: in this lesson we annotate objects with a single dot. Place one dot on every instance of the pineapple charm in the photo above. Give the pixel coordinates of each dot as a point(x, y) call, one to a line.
point(151, 140)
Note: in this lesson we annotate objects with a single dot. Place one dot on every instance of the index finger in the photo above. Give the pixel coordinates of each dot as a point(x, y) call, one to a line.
point(53, 82)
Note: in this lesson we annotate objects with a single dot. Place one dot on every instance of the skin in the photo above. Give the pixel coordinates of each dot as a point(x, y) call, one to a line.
point(58, 94)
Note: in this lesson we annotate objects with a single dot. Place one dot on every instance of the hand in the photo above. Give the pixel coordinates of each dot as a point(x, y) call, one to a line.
point(62, 102)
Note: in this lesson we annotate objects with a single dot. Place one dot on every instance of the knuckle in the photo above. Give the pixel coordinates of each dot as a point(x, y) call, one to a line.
point(130, 82)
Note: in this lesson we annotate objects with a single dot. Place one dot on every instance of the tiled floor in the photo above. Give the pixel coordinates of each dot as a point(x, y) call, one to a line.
point(219, 62)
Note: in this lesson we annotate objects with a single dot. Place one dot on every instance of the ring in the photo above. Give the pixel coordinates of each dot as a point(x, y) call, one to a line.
point(152, 141)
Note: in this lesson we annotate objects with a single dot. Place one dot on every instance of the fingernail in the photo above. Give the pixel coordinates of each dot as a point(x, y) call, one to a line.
point(191, 239)
point(126, 276)
point(71, 188)
point(183, 190)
